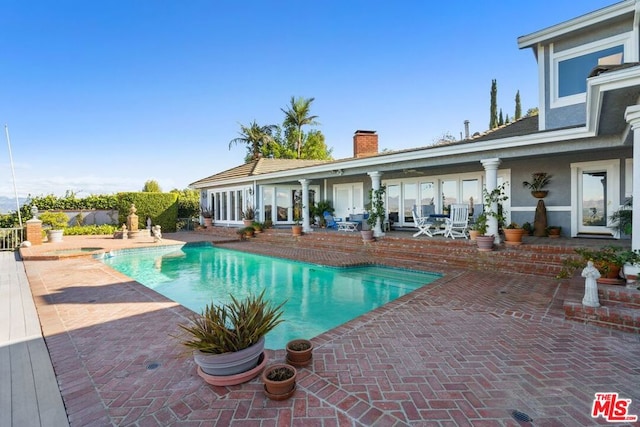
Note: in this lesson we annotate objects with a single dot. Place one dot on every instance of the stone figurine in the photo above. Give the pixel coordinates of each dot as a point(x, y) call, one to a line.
point(157, 233)
point(591, 274)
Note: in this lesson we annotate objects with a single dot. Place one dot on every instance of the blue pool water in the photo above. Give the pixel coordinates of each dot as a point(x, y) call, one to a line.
point(318, 298)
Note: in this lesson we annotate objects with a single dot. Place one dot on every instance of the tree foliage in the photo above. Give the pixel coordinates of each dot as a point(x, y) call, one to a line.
point(151, 186)
point(518, 112)
point(297, 115)
point(493, 109)
point(188, 202)
point(257, 139)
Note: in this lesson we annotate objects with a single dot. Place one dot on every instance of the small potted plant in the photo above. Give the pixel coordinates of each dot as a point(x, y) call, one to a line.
point(539, 180)
point(228, 340)
point(279, 381)
point(513, 234)
point(607, 259)
point(528, 228)
point(257, 227)
point(484, 242)
point(207, 217)
point(376, 213)
point(299, 352)
point(553, 231)
point(56, 223)
point(248, 216)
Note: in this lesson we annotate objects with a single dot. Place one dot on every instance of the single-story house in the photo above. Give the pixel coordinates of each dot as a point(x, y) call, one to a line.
point(584, 135)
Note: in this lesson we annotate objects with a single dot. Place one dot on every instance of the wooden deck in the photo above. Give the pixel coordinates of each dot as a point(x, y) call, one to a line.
point(29, 393)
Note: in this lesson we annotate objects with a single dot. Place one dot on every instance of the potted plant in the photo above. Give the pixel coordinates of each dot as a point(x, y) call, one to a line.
point(513, 234)
point(607, 259)
point(622, 218)
point(248, 216)
point(484, 242)
point(554, 231)
point(299, 352)
point(376, 213)
point(539, 180)
point(258, 227)
point(296, 228)
point(279, 381)
point(228, 340)
point(631, 267)
point(318, 211)
point(56, 223)
point(528, 228)
point(207, 217)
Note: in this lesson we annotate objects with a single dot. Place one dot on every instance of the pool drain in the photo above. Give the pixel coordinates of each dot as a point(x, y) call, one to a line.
point(521, 416)
point(153, 365)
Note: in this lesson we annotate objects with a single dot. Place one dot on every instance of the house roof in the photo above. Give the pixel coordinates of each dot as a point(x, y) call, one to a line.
point(257, 167)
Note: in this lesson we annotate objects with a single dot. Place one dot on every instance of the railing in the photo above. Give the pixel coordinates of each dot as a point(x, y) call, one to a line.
point(187, 224)
point(10, 238)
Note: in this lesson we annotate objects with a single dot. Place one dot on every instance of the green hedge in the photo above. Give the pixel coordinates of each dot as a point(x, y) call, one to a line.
point(91, 230)
point(162, 208)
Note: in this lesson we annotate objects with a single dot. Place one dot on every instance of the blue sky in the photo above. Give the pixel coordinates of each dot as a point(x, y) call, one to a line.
point(100, 96)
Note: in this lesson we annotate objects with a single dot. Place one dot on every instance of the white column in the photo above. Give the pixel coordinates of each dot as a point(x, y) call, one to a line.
point(491, 183)
point(632, 116)
point(375, 185)
point(305, 205)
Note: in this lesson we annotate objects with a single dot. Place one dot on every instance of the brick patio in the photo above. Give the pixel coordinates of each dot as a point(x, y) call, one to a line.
point(467, 350)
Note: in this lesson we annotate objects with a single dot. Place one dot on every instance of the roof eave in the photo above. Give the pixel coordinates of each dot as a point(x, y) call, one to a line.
point(600, 15)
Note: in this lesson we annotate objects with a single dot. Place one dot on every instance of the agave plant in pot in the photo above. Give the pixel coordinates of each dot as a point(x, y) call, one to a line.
point(228, 340)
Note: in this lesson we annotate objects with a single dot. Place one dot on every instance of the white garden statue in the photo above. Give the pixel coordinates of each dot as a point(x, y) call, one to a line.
point(591, 274)
point(157, 233)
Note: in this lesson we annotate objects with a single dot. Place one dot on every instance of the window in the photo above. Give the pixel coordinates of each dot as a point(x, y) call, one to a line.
point(571, 67)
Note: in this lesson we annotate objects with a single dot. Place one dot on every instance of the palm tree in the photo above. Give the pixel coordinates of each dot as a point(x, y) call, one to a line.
point(255, 137)
point(297, 115)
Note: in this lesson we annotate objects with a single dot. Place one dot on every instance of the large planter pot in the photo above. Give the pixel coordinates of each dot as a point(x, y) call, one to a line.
point(55, 236)
point(299, 352)
point(229, 363)
point(485, 243)
point(513, 236)
point(367, 235)
point(296, 230)
point(279, 389)
point(208, 222)
point(631, 273)
point(247, 222)
point(242, 377)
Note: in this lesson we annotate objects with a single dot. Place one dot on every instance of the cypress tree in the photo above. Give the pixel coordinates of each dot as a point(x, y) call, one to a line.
point(500, 119)
point(518, 107)
point(493, 111)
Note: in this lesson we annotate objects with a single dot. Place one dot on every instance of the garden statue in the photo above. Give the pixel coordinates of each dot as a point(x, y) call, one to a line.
point(157, 233)
point(591, 274)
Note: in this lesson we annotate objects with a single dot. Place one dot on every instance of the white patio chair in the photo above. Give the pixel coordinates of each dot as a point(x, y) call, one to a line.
point(458, 222)
point(422, 223)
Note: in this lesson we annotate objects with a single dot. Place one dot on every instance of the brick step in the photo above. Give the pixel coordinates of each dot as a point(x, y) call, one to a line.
point(609, 316)
point(619, 295)
point(620, 306)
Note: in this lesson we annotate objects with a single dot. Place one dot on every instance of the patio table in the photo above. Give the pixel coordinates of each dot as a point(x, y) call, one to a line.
point(347, 226)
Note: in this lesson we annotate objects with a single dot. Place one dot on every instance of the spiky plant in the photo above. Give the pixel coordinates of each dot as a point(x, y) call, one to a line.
point(232, 327)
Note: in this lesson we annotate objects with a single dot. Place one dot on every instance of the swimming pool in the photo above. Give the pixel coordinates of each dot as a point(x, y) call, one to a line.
point(318, 298)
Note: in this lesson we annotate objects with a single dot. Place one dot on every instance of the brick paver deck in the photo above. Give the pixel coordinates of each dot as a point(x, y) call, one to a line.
point(467, 350)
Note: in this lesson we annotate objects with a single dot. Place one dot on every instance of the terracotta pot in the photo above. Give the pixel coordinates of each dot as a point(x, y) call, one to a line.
point(554, 233)
point(299, 357)
point(540, 194)
point(247, 222)
point(279, 389)
point(513, 236)
point(296, 230)
point(208, 222)
point(485, 243)
point(473, 234)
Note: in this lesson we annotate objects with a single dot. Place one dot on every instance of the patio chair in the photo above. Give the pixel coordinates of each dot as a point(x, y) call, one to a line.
point(328, 218)
point(458, 222)
point(422, 223)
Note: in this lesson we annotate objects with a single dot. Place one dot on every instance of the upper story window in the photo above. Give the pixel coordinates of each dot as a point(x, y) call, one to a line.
point(572, 66)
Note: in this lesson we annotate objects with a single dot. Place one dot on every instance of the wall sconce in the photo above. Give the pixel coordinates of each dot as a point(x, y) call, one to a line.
point(250, 191)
